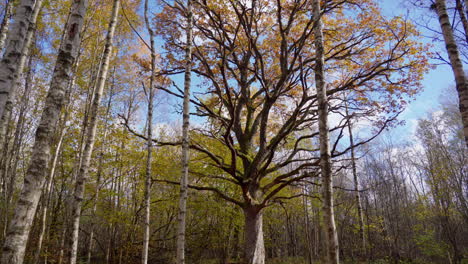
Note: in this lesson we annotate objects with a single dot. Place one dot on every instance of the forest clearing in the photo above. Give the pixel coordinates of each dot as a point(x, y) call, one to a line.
point(233, 131)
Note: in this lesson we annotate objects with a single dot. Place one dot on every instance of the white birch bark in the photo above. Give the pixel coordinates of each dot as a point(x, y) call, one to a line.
point(16, 78)
point(99, 172)
point(331, 237)
point(91, 134)
point(5, 24)
point(149, 144)
point(4, 120)
point(46, 197)
point(20, 226)
point(181, 220)
point(15, 42)
point(463, 19)
point(456, 64)
point(10, 158)
point(356, 185)
point(466, 7)
point(48, 189)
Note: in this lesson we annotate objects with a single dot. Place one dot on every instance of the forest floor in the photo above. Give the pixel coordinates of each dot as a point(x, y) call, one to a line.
point(300, 260)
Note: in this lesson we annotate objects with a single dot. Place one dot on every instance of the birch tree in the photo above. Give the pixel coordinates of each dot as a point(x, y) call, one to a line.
point(185, 139)
point(91, 134)
point(357, 191)
point(15, 42)
point(16, 83)
point(100, 169)
point(331, 237)
point(17, 72)
point(463, 18)
point(20, 226)
point(149, 143)
point(455, 62)
point(5, 23)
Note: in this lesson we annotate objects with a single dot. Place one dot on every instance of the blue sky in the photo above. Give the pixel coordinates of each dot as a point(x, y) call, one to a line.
point(435, 82)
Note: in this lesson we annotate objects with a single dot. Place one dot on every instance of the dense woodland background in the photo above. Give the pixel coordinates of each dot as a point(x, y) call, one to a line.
point(104, 185)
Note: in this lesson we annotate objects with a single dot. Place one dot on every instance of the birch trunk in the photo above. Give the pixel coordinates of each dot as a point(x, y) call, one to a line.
point(16, 37)
point(356, 186)
point(91, 134)
point(99, 171)
point(46, 197)
point(456, 64)
point(466, 7)
point(6, 138)
point(12, 164)
point(7, 107)
point(47, 194)
point(62, 244)
point(254, 244)
point(20, 226)
point(149, 144)
point(5, 24)
point(24, 54)
point(331, 237)
point(4, 120)
point(307, 227)
point(185, 140)
point(464, 20)
point(10, 158)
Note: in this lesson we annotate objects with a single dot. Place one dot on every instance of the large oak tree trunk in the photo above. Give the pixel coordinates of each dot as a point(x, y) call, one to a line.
point(185, 140)
point(254, 246)
point(91, 135)
point(20, 226)
point(331, 237)
point(455, 62)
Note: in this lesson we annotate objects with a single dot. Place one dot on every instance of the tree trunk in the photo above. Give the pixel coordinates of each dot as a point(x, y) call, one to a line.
point(46, 197)
point(466, 7)
point(62, 243)
point(331, 237)
point(185, 140)
point(8, 182)
point(16, 38)
point(7, 173)
point(149, 143)
point(20, 226)
point(456, 64)
point(91, 134)
point(464, 20)
point(13, 157)
point(356, 185)
point(16, 77)
point(308, 240)
point(99, 170)
point(5, 23)
point(47, 194)
point(254, 245)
